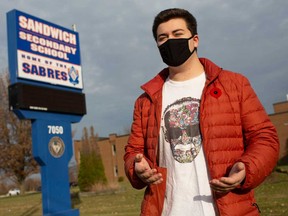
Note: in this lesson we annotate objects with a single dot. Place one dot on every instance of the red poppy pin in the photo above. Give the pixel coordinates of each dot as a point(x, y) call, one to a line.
point(215, 92)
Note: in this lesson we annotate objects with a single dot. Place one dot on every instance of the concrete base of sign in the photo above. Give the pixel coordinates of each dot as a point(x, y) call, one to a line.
point(73, 212)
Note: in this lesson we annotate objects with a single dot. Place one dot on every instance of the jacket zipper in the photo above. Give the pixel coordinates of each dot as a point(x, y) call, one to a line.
point(203, 141)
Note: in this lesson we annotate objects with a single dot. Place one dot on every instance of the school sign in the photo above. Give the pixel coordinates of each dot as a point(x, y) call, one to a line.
point(46, 87)
point(45, 52)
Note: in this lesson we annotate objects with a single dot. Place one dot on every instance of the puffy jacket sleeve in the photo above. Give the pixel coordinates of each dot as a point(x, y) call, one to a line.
point(260, 137)
point(135, 144)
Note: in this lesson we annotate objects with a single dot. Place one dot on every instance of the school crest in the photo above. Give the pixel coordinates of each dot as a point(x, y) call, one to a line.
point(56, 147)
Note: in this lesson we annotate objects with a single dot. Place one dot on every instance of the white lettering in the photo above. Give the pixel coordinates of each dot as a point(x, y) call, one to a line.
point(53, 129)
point(47, 47)
point(49, 51)
point(44, 29)
point(38, 108)
point(22, 22)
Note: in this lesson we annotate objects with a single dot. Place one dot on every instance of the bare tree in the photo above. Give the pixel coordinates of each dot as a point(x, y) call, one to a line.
point(16, 159)
point(94, 141)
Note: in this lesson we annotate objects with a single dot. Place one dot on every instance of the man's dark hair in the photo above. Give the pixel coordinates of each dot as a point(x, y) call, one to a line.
point(173, 13)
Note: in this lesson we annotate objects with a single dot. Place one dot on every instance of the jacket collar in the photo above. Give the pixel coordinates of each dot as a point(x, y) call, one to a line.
point(154, 85)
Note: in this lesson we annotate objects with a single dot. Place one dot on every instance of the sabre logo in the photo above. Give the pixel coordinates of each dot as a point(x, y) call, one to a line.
point(73, 76)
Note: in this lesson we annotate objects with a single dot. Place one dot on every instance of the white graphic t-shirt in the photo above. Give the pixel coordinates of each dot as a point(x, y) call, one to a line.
point(187, 191)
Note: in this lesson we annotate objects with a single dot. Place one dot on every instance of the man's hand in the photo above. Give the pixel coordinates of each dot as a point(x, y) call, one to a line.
point(226, 184)
point(145, 173)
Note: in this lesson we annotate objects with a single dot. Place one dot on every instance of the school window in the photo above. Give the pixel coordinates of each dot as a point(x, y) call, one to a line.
point(115, 171)
point(113, 149)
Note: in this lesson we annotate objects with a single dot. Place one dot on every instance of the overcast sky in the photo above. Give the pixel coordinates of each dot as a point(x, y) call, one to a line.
point(118, 52)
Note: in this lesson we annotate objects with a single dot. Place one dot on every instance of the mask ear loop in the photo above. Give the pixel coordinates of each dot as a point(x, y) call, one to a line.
point(195, 48)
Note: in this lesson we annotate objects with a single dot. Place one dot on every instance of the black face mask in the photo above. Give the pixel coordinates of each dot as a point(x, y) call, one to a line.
point(175, 52)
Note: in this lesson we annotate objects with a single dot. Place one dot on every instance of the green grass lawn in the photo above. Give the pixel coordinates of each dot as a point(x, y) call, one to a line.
point(123, 202)
point(272, 195)
point(272, 198)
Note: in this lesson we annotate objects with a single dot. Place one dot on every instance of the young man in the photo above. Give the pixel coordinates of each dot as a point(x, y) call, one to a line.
point(200, 139)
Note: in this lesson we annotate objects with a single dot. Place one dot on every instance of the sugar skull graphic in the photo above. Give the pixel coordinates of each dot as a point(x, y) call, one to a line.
point(181, 129)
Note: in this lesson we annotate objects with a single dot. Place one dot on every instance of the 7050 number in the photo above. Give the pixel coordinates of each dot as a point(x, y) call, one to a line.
point(52, 129)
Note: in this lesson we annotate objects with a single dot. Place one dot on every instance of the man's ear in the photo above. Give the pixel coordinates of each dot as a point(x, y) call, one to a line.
point(196, 40)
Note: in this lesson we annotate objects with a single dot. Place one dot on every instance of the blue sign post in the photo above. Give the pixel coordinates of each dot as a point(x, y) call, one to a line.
point(53, 158)
point(46, 87)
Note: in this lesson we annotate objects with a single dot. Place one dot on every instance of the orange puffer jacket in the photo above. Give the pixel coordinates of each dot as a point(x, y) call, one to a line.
point(234, 127)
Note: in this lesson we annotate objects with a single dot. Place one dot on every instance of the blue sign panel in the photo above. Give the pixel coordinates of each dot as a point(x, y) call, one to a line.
point(40, 51)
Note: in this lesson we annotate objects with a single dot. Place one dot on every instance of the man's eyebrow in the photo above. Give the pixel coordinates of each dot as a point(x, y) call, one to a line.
point(174, 31)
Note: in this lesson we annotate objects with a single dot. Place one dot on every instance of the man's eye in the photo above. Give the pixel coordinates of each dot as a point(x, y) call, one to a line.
point(178, 35)
point(161, 39)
